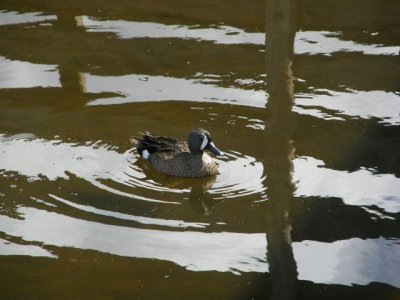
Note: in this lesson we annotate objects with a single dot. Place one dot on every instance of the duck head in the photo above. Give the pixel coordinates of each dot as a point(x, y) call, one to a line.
point(200, 140)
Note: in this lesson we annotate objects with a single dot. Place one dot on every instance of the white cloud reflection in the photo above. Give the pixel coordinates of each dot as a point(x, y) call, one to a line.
point(139, 88)
point(13, 17)
point(333, 105)
point(307, 42)
point(347, 262)
point(130, 29)
point(360, 187)
point(9, 248)
point(19, 74)
point(372, 104)
point(196, 251)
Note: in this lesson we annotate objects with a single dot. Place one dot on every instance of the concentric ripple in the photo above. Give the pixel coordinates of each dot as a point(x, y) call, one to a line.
point(123, 174)
point(240, 175)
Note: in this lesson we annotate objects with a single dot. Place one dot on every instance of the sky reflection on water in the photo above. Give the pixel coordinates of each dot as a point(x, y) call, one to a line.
point(307, 42)
point(361, 187)
point(13, 17)
point(348, 262)
point(19, 74)
point(94, 161)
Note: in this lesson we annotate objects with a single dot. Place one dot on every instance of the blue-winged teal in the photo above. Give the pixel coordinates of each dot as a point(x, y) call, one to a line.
point(179, 158)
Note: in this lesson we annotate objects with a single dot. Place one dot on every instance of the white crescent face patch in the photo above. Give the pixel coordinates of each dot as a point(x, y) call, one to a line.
point(204, 143)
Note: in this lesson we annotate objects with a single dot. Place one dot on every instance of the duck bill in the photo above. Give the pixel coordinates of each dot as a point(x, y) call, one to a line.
point(211, 147)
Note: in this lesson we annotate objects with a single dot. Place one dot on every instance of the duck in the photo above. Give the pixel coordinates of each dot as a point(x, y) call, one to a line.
point(178, 158)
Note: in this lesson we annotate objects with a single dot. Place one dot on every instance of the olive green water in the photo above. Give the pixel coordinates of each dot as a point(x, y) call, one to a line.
point(302, 98)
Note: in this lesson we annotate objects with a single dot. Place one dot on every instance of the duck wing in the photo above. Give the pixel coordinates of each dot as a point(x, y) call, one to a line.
point(158, 144)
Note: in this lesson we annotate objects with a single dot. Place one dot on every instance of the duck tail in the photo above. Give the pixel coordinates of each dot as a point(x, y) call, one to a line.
point(135, 142)
point(140, 144)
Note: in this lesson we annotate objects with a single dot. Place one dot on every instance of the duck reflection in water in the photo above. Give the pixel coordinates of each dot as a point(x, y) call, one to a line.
point(201, 202)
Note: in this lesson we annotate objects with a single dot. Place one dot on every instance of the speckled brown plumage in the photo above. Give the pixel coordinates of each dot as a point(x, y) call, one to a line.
point(173, 157)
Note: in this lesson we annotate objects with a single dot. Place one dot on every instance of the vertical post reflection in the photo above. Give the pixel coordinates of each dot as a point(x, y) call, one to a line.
point(72, 81)
point(279, 151)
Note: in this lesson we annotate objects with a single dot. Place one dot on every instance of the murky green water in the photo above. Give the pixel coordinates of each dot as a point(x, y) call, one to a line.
point(306, 204)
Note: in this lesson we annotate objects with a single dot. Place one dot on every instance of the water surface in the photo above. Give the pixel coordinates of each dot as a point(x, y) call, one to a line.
point(306, 204)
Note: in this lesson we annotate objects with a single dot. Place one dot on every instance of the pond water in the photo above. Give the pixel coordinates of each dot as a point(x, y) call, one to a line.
point(303, 99)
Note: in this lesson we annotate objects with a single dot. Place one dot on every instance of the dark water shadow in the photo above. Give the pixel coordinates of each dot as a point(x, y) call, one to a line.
point(281, 25)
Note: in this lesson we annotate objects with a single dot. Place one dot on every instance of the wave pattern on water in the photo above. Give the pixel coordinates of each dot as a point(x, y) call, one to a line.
point(307, 42)
point(118, 173)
